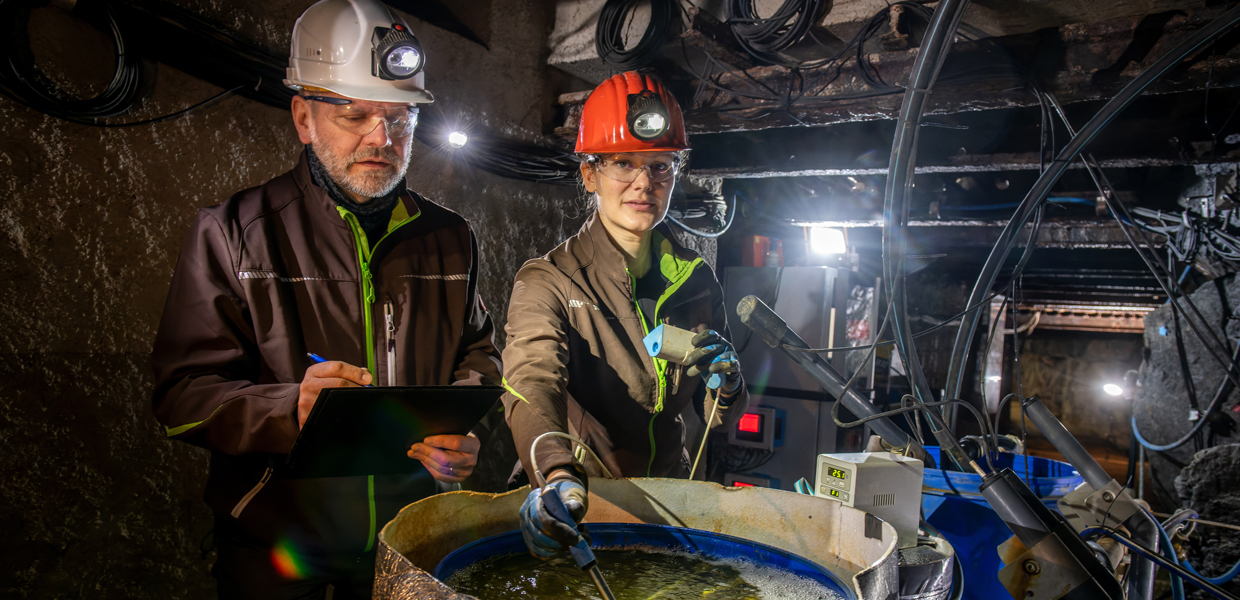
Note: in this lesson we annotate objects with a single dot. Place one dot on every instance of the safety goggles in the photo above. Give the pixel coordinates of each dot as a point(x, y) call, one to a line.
point(625, 169)
point(360, 117)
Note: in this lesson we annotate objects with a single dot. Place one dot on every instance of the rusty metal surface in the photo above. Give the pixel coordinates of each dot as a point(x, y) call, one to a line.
point(1119, 322)
point(822, 531)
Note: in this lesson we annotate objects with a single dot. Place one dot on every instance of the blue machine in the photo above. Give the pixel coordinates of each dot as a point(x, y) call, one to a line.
point(953, 505)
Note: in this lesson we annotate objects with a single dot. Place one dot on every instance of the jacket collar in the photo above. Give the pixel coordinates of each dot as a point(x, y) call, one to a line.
point(315, 197)
point(598, 249)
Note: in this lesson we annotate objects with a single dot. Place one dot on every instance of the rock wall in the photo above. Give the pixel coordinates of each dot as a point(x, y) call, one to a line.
point(1210, 485)
point(1162, 404)
point(94, 501)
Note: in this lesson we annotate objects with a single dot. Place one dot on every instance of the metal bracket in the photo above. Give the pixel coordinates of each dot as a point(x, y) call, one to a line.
point(1047, 571)
point(1109, 507)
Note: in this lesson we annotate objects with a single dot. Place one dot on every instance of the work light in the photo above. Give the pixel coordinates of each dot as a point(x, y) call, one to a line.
point(647, 116)
point(397, 54)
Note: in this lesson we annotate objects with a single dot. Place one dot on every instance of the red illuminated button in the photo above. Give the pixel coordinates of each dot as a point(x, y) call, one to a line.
point(741, 484)
point(750, 423)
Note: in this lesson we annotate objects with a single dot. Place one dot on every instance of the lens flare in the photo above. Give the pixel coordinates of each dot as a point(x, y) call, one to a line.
point(288, 563)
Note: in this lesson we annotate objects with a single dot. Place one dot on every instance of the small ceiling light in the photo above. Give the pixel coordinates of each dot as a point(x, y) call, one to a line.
point(823, 240)
point(994, 378)
point(1113, 389)
point(457, 139)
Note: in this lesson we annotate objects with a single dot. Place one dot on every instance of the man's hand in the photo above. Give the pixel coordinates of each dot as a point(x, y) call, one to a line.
point(330, 374)
point(449, 458)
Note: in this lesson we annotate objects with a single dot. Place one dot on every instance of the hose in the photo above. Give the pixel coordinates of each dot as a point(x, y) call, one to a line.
point(986, 279)
point(560, 434)
point(926, 67)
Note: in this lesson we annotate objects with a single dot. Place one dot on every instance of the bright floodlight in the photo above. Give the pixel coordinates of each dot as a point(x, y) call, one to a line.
point(827, 241)
point(1113, 389)
point(457, 139)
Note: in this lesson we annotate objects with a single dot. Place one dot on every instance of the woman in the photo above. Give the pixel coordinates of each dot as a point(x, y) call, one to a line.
point(575, 361)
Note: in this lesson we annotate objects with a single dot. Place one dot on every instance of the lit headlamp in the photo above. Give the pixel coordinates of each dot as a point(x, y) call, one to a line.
point(396, 54)
point(647, 116)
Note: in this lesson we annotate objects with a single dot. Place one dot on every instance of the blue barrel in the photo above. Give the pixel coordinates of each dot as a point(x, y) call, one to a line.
point(708, 544)
point(953, 505)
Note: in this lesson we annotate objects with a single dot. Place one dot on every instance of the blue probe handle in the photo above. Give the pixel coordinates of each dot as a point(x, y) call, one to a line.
point(555, 507)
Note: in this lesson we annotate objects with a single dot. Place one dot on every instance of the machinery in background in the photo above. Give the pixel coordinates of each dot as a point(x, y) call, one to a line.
point(883, 484)
point(789, 420)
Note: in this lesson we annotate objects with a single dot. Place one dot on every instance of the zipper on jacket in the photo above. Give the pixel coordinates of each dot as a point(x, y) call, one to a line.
point(361, 242)
point(391, 343)
point(660, 365)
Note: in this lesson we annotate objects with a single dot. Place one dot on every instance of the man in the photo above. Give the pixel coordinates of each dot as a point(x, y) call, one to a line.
point(336, 257)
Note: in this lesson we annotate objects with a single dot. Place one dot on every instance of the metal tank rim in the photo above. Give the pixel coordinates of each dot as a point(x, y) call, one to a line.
point(858, 548)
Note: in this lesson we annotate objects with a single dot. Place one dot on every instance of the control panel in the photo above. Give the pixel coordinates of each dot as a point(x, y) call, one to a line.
point(883, 484)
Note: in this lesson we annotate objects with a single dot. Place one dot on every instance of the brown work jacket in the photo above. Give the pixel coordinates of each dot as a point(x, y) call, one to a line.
point(575, 361)
point(275, 272)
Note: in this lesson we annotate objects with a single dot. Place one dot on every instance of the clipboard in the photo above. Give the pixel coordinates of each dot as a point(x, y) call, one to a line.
point(368, 430)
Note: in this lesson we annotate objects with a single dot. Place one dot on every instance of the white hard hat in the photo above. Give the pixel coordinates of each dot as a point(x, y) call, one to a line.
point(358, 49)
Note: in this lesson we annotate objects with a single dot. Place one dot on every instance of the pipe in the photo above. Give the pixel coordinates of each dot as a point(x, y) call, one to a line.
point(1143, 527)
point(986, 279)
point(759, 317)
point(1066, 444)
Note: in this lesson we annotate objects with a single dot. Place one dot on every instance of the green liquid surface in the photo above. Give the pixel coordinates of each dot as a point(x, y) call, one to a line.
point(634, 575)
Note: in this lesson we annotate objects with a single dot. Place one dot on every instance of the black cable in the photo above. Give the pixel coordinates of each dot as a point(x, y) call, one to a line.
point(904, 408)
point(609, 33)
point(1161, 561)
point(21, 79)
point(926, 67)
point(985, 281)
point(176, 115)
point(707, 234)
point(765, 37)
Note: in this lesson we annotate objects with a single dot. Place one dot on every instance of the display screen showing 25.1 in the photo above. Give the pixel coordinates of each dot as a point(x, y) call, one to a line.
point(836, 473)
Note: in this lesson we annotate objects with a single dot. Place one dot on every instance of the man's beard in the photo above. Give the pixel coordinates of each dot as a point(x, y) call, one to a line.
point(370, 183)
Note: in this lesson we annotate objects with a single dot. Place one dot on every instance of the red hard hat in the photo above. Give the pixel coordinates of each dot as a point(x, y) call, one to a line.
point(631, 112)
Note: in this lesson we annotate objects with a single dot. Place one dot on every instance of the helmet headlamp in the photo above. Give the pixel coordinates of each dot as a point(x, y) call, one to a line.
point(647, 116)
point(396, 54)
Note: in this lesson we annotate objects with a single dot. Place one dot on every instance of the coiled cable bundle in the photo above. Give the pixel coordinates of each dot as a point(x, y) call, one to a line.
point(765, 37)
point(612, 23)
point(21, 79)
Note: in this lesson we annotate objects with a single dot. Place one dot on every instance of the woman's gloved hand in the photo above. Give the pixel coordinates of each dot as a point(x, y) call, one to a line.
point(715, 356)
point(545, 535)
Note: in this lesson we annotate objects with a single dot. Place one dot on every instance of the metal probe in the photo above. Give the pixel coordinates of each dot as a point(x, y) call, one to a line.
point(581, 550)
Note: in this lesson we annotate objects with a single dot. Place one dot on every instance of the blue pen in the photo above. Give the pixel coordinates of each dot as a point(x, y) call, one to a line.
point(319, 359)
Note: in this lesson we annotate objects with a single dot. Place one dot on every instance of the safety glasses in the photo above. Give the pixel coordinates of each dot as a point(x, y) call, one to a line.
point(626, 168)
point(360, 117)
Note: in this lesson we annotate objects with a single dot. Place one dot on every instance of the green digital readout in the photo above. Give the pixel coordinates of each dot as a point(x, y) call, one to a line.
point(837, 473)
point(835, 493)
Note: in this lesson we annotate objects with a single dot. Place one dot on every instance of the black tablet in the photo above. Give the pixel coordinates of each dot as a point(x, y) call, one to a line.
point(368, 430)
